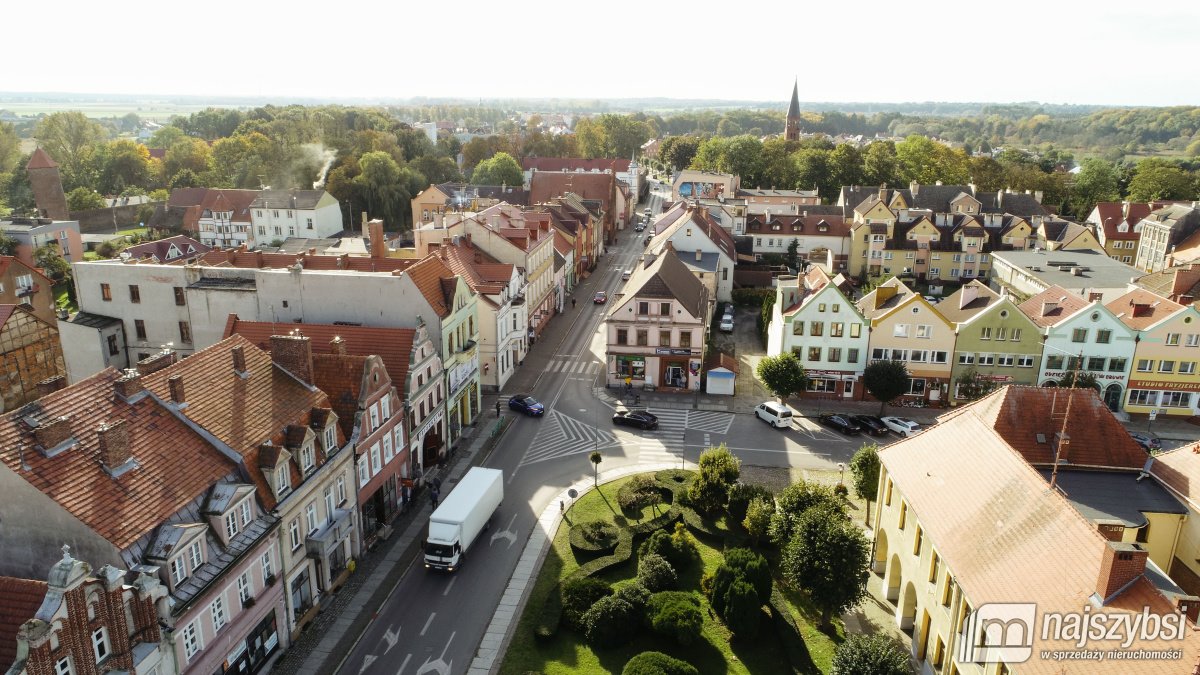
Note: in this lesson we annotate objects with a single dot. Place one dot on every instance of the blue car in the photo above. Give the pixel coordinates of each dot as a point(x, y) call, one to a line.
point(525, 403)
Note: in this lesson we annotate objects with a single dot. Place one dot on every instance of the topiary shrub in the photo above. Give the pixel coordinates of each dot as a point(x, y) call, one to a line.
point(676, 614)
point(718, 588)
point(752, 567)
point(578, 596)
point(679, 548)
point(875, 654)
point(594, 537)
point(656, 574)
point(610, 622)
point(620, 556)
point(657, 663)
point(740, 496)
point(636, 494)
point(743, 609)
point(636, 595)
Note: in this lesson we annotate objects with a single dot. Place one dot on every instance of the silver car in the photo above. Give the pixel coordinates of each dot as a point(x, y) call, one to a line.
point(902, 426)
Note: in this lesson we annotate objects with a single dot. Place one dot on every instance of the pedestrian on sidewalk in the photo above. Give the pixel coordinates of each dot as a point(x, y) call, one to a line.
point(433, 497)
point(497, 408)
point(572, 303)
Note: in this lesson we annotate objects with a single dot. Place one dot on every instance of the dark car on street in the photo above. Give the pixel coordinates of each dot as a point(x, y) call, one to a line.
point(635, 418)
point(870, 424)
point(1148, 442)
point(524, 403)
point(841, 423)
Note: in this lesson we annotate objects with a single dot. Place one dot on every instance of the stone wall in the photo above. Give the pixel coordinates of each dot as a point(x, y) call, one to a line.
point(29, 353)
point(109, 220)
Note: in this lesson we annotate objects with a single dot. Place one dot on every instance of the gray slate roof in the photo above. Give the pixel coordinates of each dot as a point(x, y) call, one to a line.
point(1102, 495)
point(287, 199)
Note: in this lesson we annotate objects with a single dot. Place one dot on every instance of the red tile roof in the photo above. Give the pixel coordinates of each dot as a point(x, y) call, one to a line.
point(260, 260)
point(574, 164)
point(393, 345)
point(428, 274)
point(40, 159)
point(243, 412)
point(546, 185)
point(161, 248)
point(1063, 303)
point(1097, 438)
point(236, 201)
point(1179, 470)
point(174, 463)
point(6, 311)
point(1140, 308)
point(19, 601)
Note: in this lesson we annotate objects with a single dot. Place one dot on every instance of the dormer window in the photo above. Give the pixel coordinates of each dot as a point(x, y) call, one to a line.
point(195, 554)
point(330, 438)
point(283, 480)
point(178, 570)
point(308, 458)
point(231, 525)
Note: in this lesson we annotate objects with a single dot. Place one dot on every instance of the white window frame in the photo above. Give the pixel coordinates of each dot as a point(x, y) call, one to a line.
point(924, 331)
point(245, 515)
point(376, 464)
point(387, 448)
point(220, 618)
point(193, 640)
point(195, 555)
point(900, 330)
point(310, 517)
point(101, 644)
point(267, 565)
point(341, 489)
point(179, 571)
point(364, 471)
point(245, 587)
point(1025, 361)
point(308, 458)
point(283, 479)
point(330, 438)
point(63, 666)
point(231, 525)
point(294, 533)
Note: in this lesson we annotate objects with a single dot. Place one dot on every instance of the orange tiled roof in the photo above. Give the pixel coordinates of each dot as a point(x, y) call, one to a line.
point(19, 601)
point(175, 464)
point(1067, 303)
point(243, 412)
point(393, 345)
point(427, 274)
point(1140, 308)
point(1179, 470)
point(1097, 438)
point(1005, 535)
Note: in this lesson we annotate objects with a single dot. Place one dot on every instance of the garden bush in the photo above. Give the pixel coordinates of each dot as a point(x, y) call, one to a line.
point(620, 555)
point(676, 614)
point(870, 655)
point(754, 568)
point(740, 496)
point(656, 523)
point(658, 663)
point(719, 469)
point(635, 594)
point(594, 537)
point(636, 494)
point(578, 596)
point(679, 548)
point(656, 574)
point(610, 622)
point(743, 609)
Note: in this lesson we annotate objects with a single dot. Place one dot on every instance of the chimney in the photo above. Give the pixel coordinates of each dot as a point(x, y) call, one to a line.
point(130, 384)
point(175, 382)
point(239, 359)
point(1037, 196)
point(337, 346)
point(51, 385)
point(293, 353)
point(378, 245)
point(1189, 606)
point(52, 432)
point(914, 187)
point(969, 293)
point(114, 446)
point(155, 363)
point(883, 294)
point(1048, 306)
point(1120, 564)
point(699, 255)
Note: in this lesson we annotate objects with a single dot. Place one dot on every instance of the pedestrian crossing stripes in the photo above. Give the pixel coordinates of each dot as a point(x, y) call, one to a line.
point(562, 435)
point(672, 422)
point(572, 367)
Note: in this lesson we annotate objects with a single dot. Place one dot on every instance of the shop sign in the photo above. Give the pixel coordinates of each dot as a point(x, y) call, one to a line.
point(672, 352)
point(1162, 384)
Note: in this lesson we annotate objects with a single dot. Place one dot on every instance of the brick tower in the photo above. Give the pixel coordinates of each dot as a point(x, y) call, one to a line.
point(792, 130)
point(47, 186)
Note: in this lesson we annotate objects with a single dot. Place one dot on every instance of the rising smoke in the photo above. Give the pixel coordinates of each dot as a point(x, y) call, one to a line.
point(319, 153)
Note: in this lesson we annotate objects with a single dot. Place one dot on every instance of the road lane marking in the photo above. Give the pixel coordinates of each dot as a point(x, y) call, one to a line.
point(427, 622)
point(390, 638)
point(404, 665)
point(449, 586)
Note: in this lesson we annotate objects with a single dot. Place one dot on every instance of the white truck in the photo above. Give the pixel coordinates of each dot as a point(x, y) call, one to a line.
point(462, 516)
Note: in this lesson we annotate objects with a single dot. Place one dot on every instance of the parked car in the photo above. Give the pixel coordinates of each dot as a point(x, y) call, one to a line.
point(729, 308)
point(727, 324)
point(600, 298)
point(641, 225)
point(1147, 441)
point(932, 299)
point(870, 424)
point(647, 241)
point(841, 423)
point(524, 403)
point(626, 274)
point(902, 426)
point(775, 414)
point(635, 418)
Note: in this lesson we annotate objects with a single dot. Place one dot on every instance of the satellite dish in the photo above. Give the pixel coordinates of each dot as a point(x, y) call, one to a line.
point(572, 493)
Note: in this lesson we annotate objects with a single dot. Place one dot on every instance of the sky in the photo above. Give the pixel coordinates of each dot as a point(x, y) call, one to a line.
point(1054, 51)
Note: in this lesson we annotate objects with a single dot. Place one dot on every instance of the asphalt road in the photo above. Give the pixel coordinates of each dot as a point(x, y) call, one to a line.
point(433, 622)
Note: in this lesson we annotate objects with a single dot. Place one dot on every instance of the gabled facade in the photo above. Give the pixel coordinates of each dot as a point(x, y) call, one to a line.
point(115, 469)
point(1163, 376)
point(1075, 329)
point(171, 249)
point(24, 284)
point(1161, 231)
point(906, 328)
point(656, 328)
point(813, 319)
point(701, 244)
point(223, 218)
point(821, 239)
point(1063, 235)
point(1115, 227)
point(278, 214)
point(995, 343)
point(292, 450)
point(30, 352)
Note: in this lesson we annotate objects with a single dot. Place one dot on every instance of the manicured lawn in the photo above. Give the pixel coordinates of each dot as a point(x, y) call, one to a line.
point(142, 231)
point(568, 651)
point(62, 298)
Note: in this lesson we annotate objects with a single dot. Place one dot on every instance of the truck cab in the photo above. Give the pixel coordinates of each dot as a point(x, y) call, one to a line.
point(461, 518)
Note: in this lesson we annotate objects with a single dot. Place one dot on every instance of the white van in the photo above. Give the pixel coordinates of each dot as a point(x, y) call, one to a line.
point(626, 274)
point(775, 414)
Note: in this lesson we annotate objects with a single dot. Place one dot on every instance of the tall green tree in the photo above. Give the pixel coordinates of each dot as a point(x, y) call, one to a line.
point(383, 185)
point(719, 469)
point(864, 467)
point(1156, 178)
point(10, 147)
point(123, 164)
point(876, 654)
point(165, 136)
point(828, 557)
point(500, 169)
point(84, 199)
point(782, 375)
point(845, 167)
point(679, 151)
point(886, 381)
point(794, 501)
point(70, 138)
point(187, 153)
point(880, 164)
point(1097, 181)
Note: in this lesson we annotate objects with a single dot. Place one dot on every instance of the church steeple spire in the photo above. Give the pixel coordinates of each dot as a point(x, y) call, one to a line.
point(792, 128)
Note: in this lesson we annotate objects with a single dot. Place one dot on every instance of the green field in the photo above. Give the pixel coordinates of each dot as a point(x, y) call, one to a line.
point(148, 110)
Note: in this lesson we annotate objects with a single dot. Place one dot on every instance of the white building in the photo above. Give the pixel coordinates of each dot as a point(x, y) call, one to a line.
point(278, 214)
point(702, 244)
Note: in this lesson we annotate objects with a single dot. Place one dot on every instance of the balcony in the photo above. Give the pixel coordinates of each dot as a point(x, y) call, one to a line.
point(26, 291)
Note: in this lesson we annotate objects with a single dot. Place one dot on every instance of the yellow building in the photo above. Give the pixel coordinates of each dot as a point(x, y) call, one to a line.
point(905, 327)
point(1164, 374)
point(968, 525)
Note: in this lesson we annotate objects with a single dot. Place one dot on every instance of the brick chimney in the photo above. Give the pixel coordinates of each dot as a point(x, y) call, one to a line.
point(293, 353)
point(157, 362)
point(114, 445)
point(175, 382)
point(337, 346)
point(1189, 606)
point(53, 431)
point(378, 245)
point(129, 385)
point(239, 359)
point(1120, 564)
point(51, 385)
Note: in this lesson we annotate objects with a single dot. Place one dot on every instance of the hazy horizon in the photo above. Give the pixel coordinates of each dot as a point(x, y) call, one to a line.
point(1104, 53)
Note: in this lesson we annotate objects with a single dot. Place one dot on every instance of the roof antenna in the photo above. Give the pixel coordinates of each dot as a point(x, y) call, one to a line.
point(1063, 439)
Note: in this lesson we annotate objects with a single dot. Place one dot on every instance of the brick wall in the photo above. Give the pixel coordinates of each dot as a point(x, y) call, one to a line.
point(29, 353)
point(293, 353)
point(48, 193)
point(1120, 564)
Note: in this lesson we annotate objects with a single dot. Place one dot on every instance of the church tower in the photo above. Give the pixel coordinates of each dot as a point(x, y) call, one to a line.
point(792, 130)
point(47, 186)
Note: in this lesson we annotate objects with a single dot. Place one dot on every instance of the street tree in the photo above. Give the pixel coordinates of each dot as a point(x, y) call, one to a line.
point(1079, 380)
point(782, 375)
point(719, 469)
point(864, 467)
point(794, 501)
point(595, 458)
point(499, 169)
point(828, 556)
point(886, 381)
point(84, 199)
point(972, 385)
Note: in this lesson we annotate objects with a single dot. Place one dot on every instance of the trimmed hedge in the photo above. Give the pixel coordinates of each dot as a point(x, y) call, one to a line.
point(594, 537)
point(657, 663)
point(621, 555)
point(551, 615)
point(789, 633)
